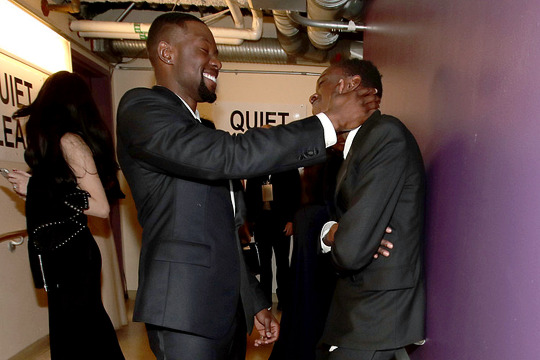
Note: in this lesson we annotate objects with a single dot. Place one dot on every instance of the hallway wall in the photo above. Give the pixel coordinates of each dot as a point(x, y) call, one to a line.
point(464, 76)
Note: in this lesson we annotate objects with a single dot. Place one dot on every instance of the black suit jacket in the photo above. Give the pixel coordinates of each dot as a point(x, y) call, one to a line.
point(191, 273)
point(379, 304)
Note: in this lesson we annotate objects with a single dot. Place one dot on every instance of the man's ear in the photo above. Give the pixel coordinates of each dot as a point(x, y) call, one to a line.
point(165, 54)
point(350, 83)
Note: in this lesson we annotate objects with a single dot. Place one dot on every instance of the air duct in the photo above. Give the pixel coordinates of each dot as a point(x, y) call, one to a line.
point(323, 15)
point(264, 51)
point(288, 34)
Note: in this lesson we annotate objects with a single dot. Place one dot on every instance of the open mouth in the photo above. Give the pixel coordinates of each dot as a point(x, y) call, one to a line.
point(210, 77)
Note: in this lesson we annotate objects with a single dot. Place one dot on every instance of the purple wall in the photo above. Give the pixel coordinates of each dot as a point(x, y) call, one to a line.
point(465, 77)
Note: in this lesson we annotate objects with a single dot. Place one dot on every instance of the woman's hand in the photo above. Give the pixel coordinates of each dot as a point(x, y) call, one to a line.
point(19, 180)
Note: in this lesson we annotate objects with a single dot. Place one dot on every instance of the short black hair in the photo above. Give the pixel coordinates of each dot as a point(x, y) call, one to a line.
point(160, 24)
point(371, 77)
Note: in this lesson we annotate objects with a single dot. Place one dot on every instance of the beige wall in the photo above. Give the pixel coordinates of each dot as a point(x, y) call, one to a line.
point(23, 311)
point(232, 87)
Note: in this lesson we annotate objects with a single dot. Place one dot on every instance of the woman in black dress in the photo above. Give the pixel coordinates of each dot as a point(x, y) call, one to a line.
point(71, 157)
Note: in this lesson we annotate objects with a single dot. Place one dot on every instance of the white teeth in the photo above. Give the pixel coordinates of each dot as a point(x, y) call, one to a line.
point(209, 77)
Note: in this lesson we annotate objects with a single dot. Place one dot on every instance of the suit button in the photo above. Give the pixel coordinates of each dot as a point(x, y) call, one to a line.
point(312, 152)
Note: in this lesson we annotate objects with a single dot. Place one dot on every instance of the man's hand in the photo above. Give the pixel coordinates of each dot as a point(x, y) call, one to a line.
point(288, 229)
point(329, 239)
point(349, 110)
point(244, 234)
point(385, 246)
point(267, 326)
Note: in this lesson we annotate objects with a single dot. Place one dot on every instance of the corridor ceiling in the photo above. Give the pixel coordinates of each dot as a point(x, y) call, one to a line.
point(310, 32)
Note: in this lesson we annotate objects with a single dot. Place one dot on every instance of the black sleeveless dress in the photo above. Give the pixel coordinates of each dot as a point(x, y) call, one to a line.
point(65, 260)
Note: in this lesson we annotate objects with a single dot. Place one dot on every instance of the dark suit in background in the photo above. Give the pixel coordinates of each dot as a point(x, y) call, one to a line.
point(268, 219)
point(192, 277)
point(378, 304)
point(312, 275)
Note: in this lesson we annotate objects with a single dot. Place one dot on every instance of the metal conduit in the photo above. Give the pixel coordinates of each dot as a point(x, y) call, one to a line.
point(264, 51)
point(338, 25)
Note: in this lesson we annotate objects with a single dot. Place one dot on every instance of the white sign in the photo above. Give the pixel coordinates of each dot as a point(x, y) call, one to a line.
point(19, 86)
point(240, 117)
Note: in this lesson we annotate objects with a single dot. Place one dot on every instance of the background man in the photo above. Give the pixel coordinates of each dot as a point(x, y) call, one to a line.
point(378, 305)
point(195, 294)
point(272, 201)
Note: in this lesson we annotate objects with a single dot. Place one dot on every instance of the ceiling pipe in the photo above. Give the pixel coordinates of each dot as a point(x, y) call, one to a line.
point(125, 12)
point(350, 26)
point(322, 11)
point(326, 11)
point(138, 36)
point(236, 14)
point(254, 33)
point(296, 42)
point(289, 34)
point(139, 31)
point(265, 51)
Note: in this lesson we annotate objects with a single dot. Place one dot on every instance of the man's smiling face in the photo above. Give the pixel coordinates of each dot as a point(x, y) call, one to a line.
point(196, 66)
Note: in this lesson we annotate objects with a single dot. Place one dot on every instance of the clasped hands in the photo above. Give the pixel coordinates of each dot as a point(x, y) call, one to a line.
point(383, 249)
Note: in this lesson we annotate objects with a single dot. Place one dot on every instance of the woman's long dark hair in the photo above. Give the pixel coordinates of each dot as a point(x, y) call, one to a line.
point(65, 105)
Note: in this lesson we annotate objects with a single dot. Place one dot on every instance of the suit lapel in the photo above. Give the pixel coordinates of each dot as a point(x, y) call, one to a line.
point(171, 95)
point(342, 171)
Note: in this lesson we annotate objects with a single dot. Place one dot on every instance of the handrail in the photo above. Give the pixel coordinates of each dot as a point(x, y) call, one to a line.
point(20, 234)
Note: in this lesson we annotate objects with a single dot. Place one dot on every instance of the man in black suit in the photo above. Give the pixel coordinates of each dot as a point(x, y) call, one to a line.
point(272, 201)
point(378, 304)
point(195, 294)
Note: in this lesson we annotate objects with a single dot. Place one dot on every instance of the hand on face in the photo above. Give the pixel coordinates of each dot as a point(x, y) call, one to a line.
point(343, 99)
point(348, 110)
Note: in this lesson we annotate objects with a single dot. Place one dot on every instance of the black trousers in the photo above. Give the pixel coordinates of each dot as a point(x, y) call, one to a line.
point(171, 344)
point(324, 353)
point(270, 237)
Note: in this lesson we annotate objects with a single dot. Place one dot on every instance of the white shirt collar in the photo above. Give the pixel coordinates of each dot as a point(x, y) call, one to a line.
point(195, 114)
point(349, 140)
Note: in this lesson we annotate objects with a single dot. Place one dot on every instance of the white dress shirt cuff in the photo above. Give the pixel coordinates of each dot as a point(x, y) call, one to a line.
point(330, 137)
point(326, 228)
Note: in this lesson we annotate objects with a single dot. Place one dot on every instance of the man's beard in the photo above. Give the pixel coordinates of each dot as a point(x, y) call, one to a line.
point(205, 94)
